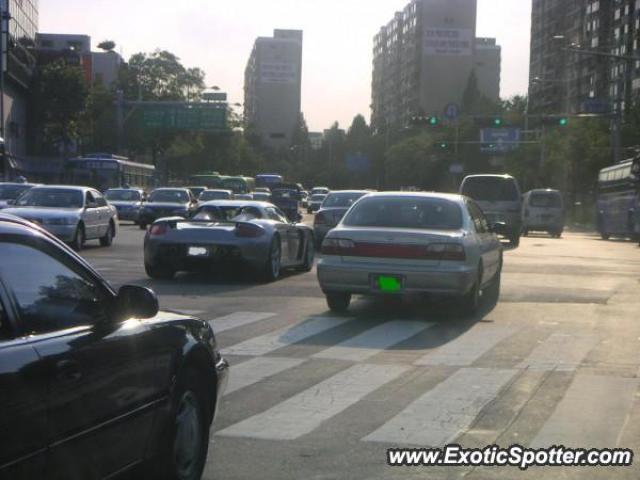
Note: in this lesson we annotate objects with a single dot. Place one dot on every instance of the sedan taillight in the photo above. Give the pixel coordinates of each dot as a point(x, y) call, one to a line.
point(337, 246)
point(247, 230)
point(158, 229)
point(446, 251)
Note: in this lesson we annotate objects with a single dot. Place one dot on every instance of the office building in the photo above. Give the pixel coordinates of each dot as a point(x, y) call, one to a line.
point(20, 64)
point(423, 59)
point(74, 49)
point(272, 87)
point(106, 67)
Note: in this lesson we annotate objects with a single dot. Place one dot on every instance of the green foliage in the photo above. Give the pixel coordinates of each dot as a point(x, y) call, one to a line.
point(98, 121)
point(60, 97)
point(413, 162)
point(107, 45)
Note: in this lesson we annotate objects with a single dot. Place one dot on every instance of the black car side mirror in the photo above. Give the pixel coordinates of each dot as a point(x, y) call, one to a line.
point(134, 301)
point(499, 228)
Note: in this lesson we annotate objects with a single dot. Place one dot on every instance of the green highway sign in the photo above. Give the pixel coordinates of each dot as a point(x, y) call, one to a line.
point(205, 117)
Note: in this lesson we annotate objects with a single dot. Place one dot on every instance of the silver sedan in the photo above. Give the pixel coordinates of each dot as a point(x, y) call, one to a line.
point(228, 231)
point(73, 214)
point(405, 243)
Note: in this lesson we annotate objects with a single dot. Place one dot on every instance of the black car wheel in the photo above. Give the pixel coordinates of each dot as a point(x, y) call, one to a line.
point(273, 264)
point(605, 235)
point(309, 254)
point(158, 272)
point(78, 240)
point(107, 240)
point(338, 302)
point(514, 239)
point(142, 226)
point(184, 453)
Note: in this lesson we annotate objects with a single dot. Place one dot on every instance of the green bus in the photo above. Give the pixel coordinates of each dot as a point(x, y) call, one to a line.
point(239, 184)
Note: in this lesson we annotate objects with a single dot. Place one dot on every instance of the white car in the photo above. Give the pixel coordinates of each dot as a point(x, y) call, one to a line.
point(407, 243)
point(73, 214)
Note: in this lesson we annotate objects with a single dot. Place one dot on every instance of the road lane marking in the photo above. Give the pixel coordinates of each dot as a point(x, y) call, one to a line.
point(238, 319)
point(443, 413)
point(284, 337)
point(306, 411)
point(591, 414)
point(560, 352)
point(465, 350)
point(258, 369)
point(373, 341)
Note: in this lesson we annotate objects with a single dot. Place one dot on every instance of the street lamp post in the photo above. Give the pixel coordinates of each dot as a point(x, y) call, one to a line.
point(4, 32)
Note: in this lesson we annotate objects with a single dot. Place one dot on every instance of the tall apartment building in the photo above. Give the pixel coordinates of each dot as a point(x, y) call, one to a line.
point(20, 64)
point(423, 58)
point(272, 87)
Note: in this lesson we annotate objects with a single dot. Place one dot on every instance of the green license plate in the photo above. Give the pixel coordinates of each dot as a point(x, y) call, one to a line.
point(389, 284)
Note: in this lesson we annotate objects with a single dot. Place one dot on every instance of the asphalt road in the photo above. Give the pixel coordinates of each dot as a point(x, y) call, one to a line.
point(313, 395)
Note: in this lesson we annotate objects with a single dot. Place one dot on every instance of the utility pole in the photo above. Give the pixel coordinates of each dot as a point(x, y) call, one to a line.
point(4, 32)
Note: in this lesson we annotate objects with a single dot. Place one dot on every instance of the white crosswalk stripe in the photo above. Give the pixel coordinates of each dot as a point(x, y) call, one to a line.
point(306, 411)
point(284, 337)
point(257, 369)
point(468, 348)
point(238, 319)
point(560, 352)
point(591, 414)
point(444, 412)
point(373, 341)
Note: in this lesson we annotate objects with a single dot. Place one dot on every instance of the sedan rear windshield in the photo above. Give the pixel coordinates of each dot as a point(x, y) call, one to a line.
point(341, 199)
point(411, 212)
point(491, 189)
point(545, 200)
point(50, 197)
point(123, 195)
point(169, 196)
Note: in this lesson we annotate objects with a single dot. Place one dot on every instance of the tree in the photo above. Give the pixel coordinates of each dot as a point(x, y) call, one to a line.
point(60, 97)
point(474, 102)
point(413, 162)
point(98, 121)
point(107, 45)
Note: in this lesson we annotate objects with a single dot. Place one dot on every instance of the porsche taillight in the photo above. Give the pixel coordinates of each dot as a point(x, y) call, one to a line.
point(158, 229)
point(247, 230)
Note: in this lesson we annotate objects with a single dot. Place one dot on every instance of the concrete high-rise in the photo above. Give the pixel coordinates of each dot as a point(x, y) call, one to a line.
point(272, 87)
point(423, 60)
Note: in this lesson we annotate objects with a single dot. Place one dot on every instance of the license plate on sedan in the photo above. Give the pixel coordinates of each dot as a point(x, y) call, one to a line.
point(198, 252)
point(387, 283)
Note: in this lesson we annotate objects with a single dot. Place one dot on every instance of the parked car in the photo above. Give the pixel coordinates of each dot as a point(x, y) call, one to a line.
point(315, 201)
point(213, 194)
point(10, 191)
point(287, 197)
point(73, 214)
point(96, 382)
point(333, 208)
point(128, 202)
point(167, 202)
point(500, 199)
point(543, 210)
point(406, 243)
point(257, 234)
point(196, 191)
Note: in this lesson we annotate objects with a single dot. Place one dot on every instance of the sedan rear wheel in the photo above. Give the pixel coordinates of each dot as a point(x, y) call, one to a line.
point(309, 255)
point(338, 302)
point(274, 261)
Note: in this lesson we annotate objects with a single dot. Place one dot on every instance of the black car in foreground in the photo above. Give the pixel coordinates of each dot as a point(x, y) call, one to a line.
point(95, 383)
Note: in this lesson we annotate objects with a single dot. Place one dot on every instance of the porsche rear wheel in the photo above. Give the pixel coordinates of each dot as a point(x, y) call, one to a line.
point(271, 269)
point(309, 254)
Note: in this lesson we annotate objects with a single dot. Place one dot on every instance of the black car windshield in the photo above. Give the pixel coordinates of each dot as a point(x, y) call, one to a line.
point(545, 200)
point(341, 199)
point(169, 196)
point(51, 197)
point(490, 189)
point(123, 195)
point(408, 212)
point(11, 192)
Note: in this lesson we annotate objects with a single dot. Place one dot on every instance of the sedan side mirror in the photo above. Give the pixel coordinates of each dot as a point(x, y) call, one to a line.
point(134, 301)
point(499, 228)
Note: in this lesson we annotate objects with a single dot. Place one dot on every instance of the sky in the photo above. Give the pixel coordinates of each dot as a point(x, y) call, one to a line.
point(217, 36)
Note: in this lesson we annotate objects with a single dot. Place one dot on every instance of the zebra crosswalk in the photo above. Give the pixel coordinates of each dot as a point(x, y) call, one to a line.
point(594, 408)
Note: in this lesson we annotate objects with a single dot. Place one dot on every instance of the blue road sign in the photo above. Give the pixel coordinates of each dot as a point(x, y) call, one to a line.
point(499, 140)
point(451, 111)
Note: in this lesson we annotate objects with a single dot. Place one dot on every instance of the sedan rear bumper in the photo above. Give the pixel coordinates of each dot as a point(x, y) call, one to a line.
point(335, 276)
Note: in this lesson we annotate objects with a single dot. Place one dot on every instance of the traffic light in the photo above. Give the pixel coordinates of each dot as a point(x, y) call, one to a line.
point(555, 120)
point(441, 145)
point(563, 122)
point(433, 121)
point(421, 120)
point(497, 122)
point(489, 121)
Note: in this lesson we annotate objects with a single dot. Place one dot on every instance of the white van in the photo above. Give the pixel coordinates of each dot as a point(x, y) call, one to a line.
point(500, 199)
point(543, 211)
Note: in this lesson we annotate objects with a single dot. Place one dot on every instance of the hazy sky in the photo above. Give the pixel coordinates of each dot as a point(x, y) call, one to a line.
point(217, 36)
